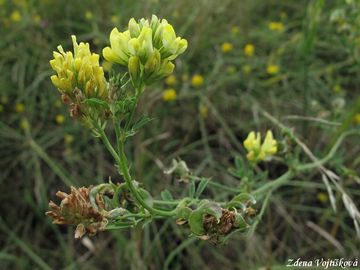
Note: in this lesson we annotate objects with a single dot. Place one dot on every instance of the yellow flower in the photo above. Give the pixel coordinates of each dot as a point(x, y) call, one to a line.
point(235, 30)
point(231, 69)
point(19, 107)
point(257, 151)
point(146, 48)
point(276, 26)
point(24, 124)
point(89, 15)
point(322, 197)
point(226, 47)
point(169, 95)
point(204, 111)
point(68, 138)
point(246, 69)
point(171, 80)
point(357, 118)
point(337, 88)
point(80, 70)
point(114, 19)
point(36, 19)
point(249, 50)
point(272, 69)
point(197, 80)
point(15, 16)
point(59, 119)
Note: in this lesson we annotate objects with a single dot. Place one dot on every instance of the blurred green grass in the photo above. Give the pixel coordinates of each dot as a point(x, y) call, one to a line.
point(316, 92)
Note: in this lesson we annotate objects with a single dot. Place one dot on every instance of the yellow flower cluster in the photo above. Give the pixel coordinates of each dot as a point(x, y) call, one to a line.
point(146, 48)
point(257, 151)
point(80, 70)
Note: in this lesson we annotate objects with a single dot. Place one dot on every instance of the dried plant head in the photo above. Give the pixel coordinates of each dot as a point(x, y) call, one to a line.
point(75, 209)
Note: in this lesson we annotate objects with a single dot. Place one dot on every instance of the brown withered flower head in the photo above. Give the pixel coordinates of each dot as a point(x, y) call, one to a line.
point(75, 209)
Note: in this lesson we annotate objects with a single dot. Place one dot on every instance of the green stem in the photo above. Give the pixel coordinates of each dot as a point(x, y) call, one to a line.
point(122, 162)
point(275, 183)
point(124, 170)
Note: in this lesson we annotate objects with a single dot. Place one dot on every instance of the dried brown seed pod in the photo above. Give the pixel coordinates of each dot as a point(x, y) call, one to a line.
point(75, 209)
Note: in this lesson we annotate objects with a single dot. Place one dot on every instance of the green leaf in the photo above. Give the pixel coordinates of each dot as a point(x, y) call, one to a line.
point(213, 209)
point(97, 102)
point(141, 122)
point(240, 201)
point(183, 212)
point(201, 187)
point(192, 189)
point(166, 195)
point(146, 196)
point(196, 222)
point(240, 222)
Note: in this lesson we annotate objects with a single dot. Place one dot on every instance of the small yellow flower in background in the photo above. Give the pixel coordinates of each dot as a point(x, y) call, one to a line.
point(4, 99)
point(114, 19)
point(231, 69)
point(24, 124)
point(337, 88)
point(15, 16)
point(272, 69)
point(36, 19)
point(171, 80)
point(226, 47)
point(69, 139)
point(357, 118)
point(283, 15)
point(197, 80)
point(89, 15)
point(169, 95)
point(60, 119)
point(246, 69)
point(235, 30)
point(322, 197)
point(106, 65)
point(276, 26)
point(19, 107)
point(249, 50)
point(204, 111)
point(257, 151)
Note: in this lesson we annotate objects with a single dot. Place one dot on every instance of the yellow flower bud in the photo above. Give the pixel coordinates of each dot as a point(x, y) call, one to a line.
point(134, 68)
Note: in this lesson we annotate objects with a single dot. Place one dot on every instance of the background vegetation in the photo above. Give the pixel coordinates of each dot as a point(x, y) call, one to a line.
point(297, 60)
